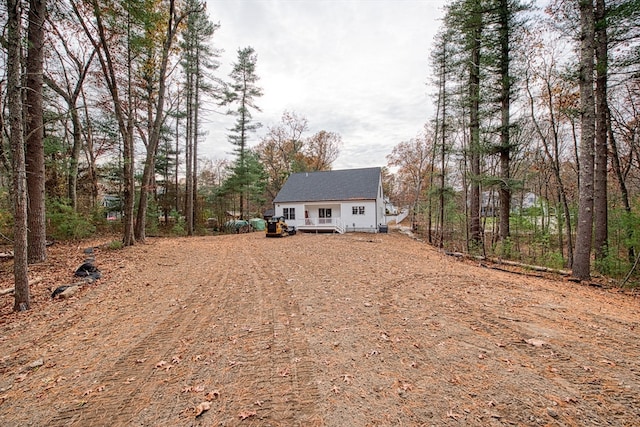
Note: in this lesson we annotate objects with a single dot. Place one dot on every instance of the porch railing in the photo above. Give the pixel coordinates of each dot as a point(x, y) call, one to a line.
point(321, 223)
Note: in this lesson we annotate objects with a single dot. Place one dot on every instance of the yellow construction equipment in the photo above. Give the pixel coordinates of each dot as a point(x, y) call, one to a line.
point(277, 227)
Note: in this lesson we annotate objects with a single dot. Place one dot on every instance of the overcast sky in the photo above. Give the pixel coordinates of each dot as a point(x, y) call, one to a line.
point(355, 67)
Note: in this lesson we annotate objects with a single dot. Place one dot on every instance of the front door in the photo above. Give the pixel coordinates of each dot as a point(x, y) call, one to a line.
point(325, 215)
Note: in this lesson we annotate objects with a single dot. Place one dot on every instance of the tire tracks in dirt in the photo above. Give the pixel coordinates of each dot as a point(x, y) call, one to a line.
point(269, 376)
point(131, 381)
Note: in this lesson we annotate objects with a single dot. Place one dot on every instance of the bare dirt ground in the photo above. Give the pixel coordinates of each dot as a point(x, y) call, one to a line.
point(314, 330)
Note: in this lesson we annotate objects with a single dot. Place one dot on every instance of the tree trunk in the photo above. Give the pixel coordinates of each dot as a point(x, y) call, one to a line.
point(505, 143)
point(128, 151)
point(474, 132)
point(188, 211)
point(196, 132)
point(37, 240)
point(154, 138)
point(20, 269)
point(582, 255)
point(600, 214)
point(624, 192)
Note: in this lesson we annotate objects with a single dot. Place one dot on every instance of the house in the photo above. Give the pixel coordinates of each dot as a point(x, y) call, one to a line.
point(333, 201)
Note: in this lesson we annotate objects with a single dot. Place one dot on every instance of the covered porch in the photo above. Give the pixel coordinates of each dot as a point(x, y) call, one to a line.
point(321, 218)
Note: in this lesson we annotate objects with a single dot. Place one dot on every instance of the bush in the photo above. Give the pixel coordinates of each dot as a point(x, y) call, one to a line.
point(64, 223)
point(179, 224)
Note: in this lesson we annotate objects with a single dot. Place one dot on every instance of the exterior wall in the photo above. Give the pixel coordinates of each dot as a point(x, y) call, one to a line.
point(299, 207)
point(341, 214)
point(366, 222)
point(380, 206)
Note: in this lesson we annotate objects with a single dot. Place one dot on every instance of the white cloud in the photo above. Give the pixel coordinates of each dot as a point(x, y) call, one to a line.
point(355, 67)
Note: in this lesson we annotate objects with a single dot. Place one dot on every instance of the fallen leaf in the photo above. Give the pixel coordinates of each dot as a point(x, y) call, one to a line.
point(246, 414)
point(202, 408)
point(535, 342)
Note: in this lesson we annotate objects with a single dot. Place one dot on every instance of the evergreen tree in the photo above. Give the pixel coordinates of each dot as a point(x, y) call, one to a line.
point(34, 131)
point(582, 255)
point(20, 270)
point(198, 58)
point(242, 91)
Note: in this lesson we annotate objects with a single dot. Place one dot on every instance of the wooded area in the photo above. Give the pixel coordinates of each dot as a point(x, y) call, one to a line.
point(532, 154)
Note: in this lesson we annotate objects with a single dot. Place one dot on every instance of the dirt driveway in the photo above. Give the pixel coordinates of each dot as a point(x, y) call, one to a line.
point(317, 330)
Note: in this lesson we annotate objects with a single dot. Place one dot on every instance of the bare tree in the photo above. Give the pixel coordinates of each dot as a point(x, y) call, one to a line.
point(74, 64)
point(321, 150)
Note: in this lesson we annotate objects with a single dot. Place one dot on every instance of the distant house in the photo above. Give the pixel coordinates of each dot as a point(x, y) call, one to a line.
point(333, 201)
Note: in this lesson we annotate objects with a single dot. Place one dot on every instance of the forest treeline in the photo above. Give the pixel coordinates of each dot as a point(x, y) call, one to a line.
point(532, 153)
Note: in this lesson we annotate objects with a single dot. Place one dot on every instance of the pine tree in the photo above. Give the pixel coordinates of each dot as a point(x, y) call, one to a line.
point(242, 91)
point(198, 58)
point(14, 57)
point(582, 254)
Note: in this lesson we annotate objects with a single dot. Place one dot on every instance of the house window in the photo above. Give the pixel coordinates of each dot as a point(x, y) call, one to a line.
point(357, 210)
point(289, 213)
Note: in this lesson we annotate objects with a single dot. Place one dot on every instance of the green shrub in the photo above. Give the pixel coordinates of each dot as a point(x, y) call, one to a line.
point(114, 245)
point(64, 223)
point(179, 224)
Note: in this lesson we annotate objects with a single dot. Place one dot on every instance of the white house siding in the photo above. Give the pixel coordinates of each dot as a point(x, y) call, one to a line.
point(367, 222)
point(299, 207)
point(341, 214)
point(349, 188)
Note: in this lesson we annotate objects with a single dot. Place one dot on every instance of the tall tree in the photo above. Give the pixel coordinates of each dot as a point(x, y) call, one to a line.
point(474, 39)
point(34, 128)
point(321, 150)
point(74, 62)
point(582, 254)
point(552, 96)
point(412, 158)
point(280, 150)
point(440, 62)
point(171, 24)
point(600, 198)
point(242, 91)
point(14, 62)
point(505, 31)
point(198, 59)
point(106, 49)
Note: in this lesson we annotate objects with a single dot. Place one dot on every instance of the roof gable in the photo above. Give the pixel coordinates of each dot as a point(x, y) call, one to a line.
point(347, 184)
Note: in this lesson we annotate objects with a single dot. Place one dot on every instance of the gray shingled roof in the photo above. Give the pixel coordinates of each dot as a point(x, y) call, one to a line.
point(348, 184)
